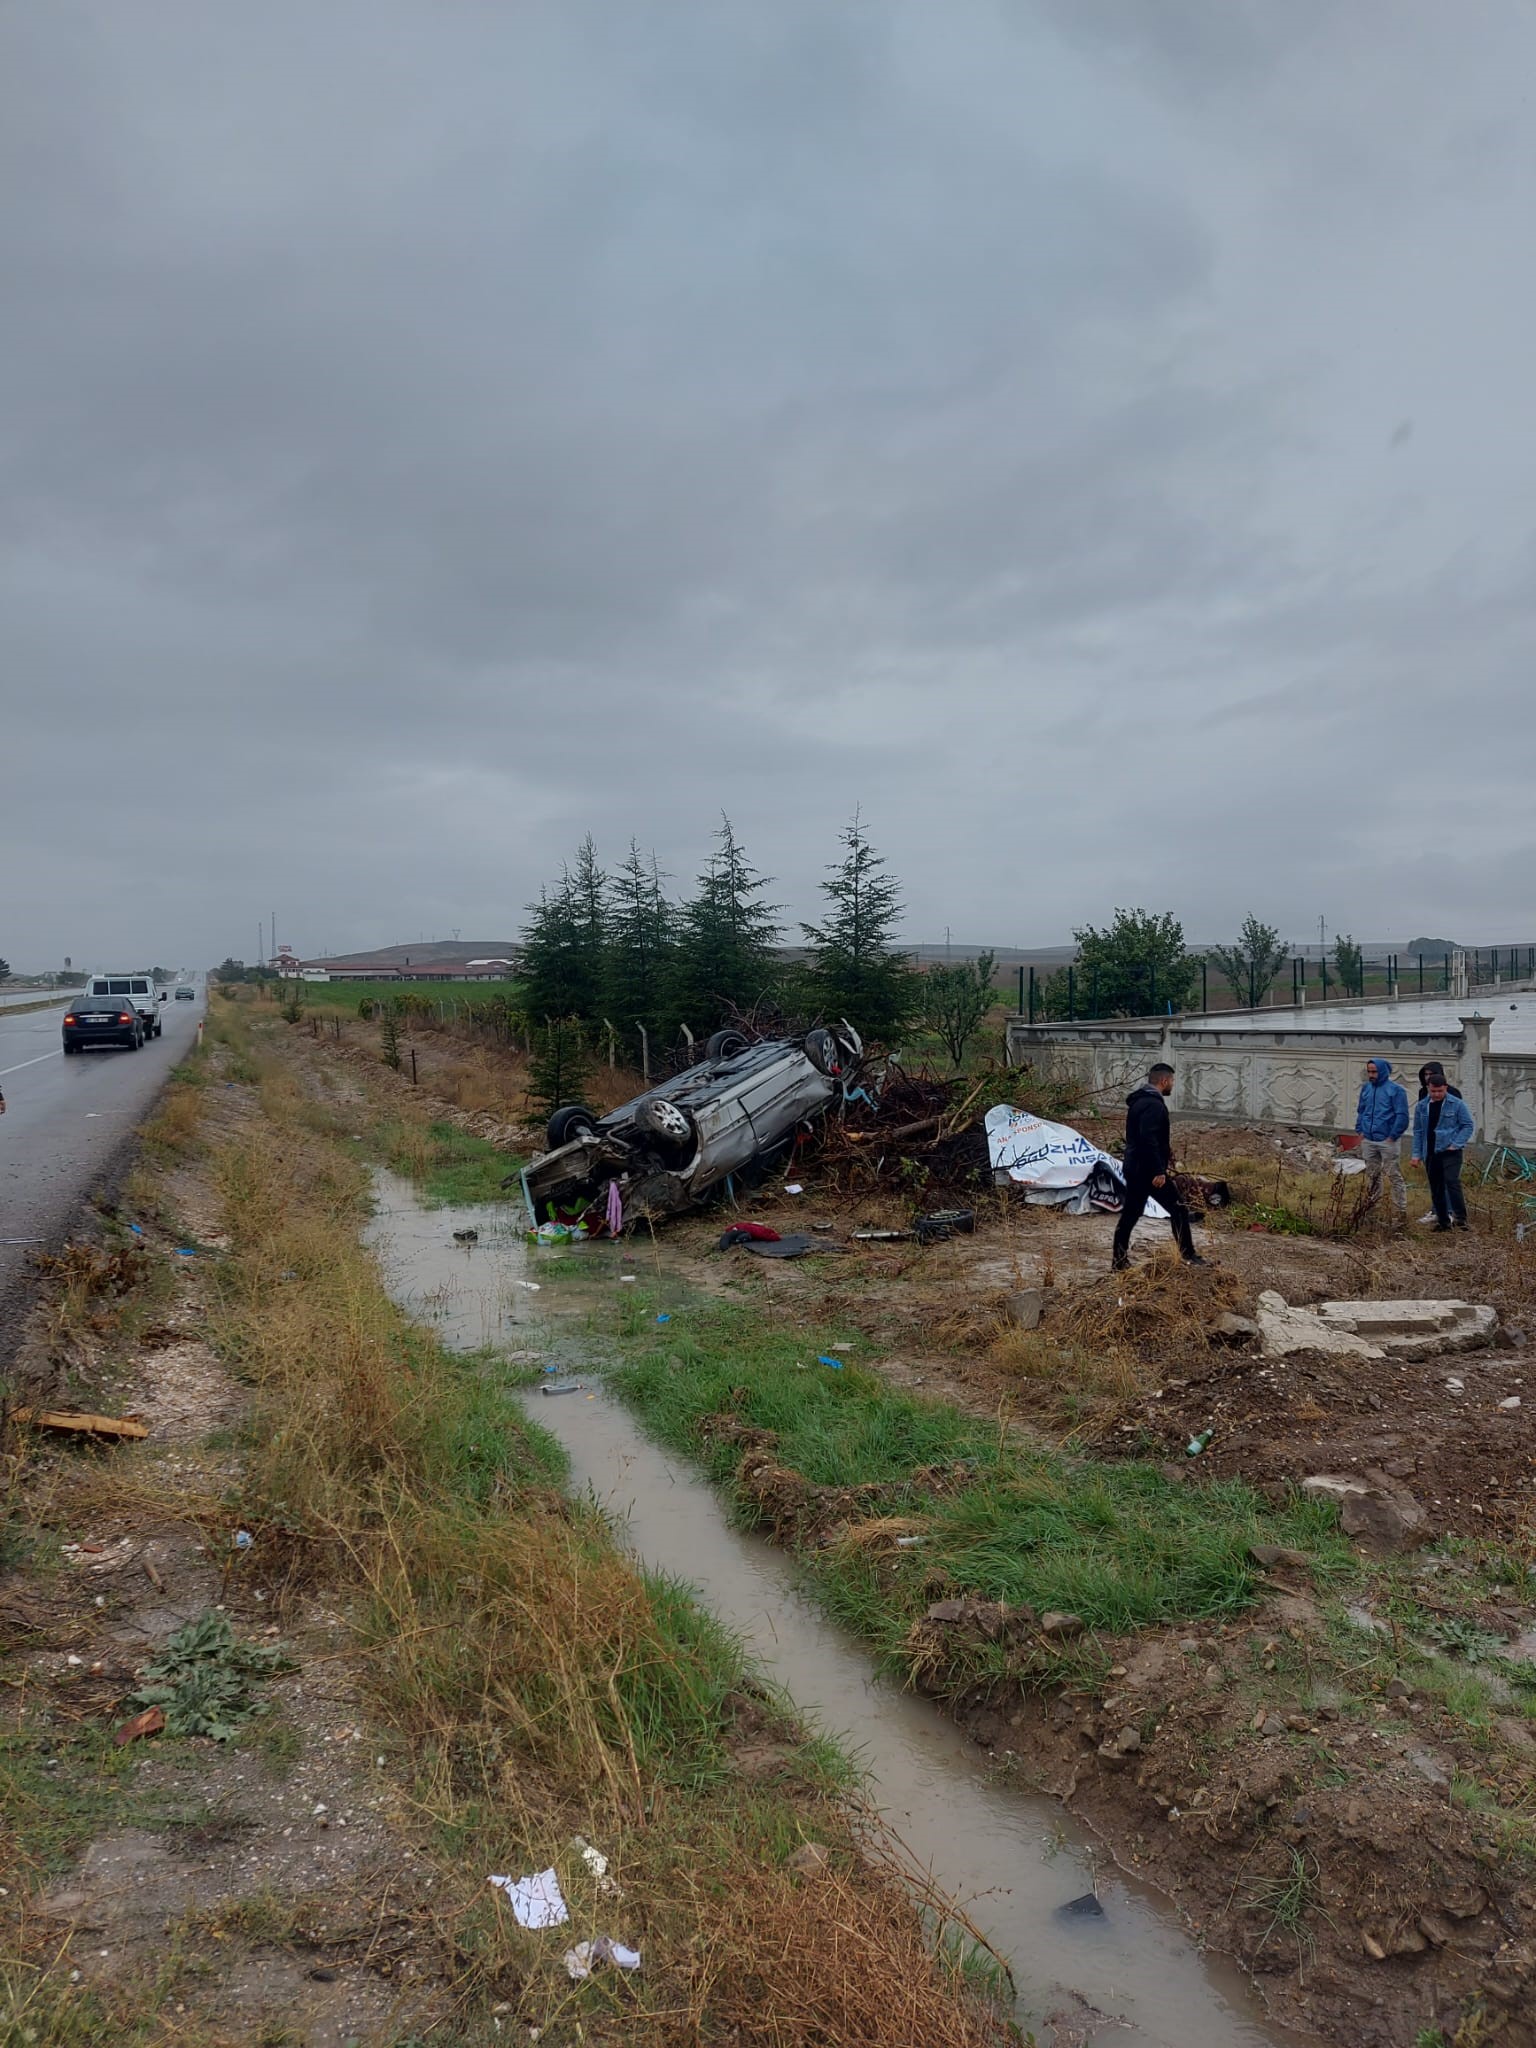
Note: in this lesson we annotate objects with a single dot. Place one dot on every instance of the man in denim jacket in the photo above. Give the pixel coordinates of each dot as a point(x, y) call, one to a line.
point(1442, 1129)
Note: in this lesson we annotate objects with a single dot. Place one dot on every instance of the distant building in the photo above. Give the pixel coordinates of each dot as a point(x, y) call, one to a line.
point(431, 960)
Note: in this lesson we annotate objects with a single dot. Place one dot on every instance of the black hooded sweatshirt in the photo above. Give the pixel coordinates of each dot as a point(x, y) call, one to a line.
point(1147, 1143)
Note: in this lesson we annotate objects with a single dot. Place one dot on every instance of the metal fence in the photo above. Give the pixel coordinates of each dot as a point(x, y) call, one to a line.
point(1072, 993)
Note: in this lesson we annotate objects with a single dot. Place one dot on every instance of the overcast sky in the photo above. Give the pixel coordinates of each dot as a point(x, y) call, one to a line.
point(1098, 438)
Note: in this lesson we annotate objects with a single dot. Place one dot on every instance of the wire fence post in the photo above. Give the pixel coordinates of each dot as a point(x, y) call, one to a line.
point(1205, 994)
point(1031, 995)
point(1071, 995)
point(1021, 988)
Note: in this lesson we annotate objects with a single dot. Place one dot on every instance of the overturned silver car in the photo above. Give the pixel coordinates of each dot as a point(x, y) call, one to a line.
point(667, 1148)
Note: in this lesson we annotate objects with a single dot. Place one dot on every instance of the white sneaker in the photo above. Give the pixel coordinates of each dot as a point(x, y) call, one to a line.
point(1429, 1218)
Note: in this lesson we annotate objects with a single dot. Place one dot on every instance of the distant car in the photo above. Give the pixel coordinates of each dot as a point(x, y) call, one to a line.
point(101, 988)
point(670, 1146)
point(102, 1020)
point(185, 993)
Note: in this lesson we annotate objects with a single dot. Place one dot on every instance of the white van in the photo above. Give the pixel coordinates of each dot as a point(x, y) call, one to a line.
point(139, 987)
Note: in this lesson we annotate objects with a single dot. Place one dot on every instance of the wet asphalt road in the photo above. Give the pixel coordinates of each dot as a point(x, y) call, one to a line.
point(65, 1132)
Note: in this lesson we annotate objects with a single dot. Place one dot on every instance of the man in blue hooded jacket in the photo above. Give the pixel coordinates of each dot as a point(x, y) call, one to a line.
point(1381, 1117)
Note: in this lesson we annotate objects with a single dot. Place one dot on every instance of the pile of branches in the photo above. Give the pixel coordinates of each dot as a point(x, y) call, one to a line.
point(910, 1130)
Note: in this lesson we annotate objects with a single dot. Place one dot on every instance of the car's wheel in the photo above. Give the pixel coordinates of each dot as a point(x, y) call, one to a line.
point(574, 1121)
point(724, 1045)
point(68, 1048)
point(824, 1052)
point(666, 1121)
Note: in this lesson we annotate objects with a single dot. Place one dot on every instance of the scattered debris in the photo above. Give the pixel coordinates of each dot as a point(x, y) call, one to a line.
point(1025, 1306)
point(584, 1958)
point(466, 1236)
point(150, 1722)
point(1087, 1906)
point(744, 1233)
point(794, 1247)
point(562, 1387)
point(942, 1223)
point(811, 1859)
point(597, 1864)
point(89, 1425)
point(536, 1901)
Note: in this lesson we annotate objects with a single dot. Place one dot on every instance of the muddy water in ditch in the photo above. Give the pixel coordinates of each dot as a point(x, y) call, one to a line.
point(1009, 1857)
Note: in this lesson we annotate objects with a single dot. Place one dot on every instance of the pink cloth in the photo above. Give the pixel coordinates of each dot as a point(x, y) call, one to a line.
point(615, 1209)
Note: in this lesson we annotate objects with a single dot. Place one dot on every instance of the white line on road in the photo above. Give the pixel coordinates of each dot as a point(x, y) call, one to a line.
point(57, 1053)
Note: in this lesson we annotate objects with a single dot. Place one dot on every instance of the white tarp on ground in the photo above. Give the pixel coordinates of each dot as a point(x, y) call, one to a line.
point(1052, 1160)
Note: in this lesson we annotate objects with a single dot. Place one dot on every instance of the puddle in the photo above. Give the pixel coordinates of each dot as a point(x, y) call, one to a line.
point(1011, 1858)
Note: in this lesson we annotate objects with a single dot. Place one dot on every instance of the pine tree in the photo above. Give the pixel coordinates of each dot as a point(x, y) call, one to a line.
point(638, 957)
point(563, 943)
point(560, 1065)
point(589, 888)
point(855, 970)
point(726, 938)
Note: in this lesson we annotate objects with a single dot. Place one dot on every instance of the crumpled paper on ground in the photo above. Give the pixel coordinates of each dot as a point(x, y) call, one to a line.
point(536, 1900)
point(584, 1958)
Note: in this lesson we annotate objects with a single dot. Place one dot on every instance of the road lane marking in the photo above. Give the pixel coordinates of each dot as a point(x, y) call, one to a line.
point(57, 1053)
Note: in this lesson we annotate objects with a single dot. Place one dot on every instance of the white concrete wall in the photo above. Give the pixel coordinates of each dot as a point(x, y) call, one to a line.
point(1290, 1076)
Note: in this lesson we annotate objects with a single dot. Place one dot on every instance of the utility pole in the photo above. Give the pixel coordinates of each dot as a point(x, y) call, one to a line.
point(1322, 940)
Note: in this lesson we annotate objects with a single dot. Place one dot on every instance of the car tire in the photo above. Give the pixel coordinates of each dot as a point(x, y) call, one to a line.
point(724, 1045)
point(668, 1123)
point(824, 1052)
point(574, 1121)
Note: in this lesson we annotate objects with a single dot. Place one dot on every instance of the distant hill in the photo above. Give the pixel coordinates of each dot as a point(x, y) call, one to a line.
point(419, 953)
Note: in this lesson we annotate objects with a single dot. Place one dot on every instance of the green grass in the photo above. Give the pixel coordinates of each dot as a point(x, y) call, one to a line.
point(346, 995)
point(58, 1785)
point(453, 1168)
point(1116, 1544)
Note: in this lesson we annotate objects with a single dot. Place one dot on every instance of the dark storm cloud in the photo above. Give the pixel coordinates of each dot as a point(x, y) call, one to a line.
point(428, 433)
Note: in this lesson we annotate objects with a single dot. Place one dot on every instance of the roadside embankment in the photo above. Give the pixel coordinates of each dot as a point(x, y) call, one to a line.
point(414, 1663)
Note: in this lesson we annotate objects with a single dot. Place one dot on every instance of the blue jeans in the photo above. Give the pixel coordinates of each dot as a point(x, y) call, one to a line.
point(1444, 1170)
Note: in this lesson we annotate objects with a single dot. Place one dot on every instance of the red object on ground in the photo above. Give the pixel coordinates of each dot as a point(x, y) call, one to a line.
point(1349, 1141)
point(150, 1722)
point(759, 1230)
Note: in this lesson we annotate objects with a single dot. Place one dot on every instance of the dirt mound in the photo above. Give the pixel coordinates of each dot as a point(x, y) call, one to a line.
point(1438, 1426)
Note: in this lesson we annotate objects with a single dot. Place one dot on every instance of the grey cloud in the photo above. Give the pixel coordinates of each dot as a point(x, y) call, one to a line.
point(428, 433)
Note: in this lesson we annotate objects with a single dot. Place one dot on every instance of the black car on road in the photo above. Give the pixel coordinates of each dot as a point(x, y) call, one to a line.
point(102, 1020)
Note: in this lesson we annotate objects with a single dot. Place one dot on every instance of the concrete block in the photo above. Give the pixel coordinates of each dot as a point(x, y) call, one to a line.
point(1025, 1306)
point(1413, 1329)
point(1285, 1332)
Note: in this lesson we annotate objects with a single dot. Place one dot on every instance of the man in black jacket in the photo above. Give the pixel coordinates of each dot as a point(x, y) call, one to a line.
point(1148, 1169)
